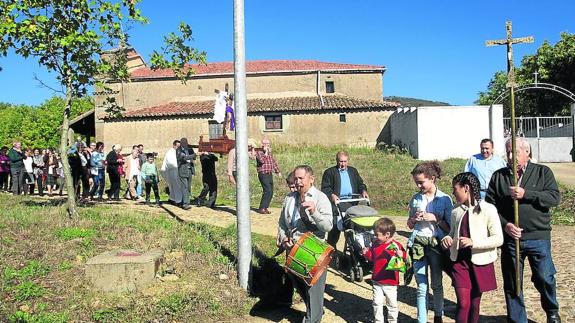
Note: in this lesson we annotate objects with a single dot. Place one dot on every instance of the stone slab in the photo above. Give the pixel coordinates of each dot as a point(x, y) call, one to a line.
point(123, 270)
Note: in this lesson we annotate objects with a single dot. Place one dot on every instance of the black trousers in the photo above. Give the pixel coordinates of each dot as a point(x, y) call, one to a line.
point(76, 178)
point(85, 179)
point(210, 183)
point(152, 186)
point(17, 174)
point(114, 192)
point(267, 182)
point(40, 184)
point(4, 181)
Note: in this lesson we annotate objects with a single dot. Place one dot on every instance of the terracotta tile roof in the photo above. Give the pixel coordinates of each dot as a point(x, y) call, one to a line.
point(257, 67)
point(286, 104)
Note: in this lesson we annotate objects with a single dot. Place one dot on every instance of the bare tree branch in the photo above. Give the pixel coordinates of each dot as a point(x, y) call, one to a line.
point(42, 83)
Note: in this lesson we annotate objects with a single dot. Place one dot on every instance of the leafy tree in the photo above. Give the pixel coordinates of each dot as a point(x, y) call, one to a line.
point(12, 119)
point(555, 64)
point(37, 126)
point(44, 127)
point(68, 37)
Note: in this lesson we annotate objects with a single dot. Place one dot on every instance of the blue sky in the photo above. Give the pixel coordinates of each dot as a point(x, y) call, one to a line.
point(432, 49)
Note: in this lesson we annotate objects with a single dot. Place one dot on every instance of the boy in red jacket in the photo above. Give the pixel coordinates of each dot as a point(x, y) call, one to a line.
point(384, 278)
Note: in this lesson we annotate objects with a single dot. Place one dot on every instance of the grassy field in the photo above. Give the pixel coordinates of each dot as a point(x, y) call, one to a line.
point(43, 256)
point(386, 174)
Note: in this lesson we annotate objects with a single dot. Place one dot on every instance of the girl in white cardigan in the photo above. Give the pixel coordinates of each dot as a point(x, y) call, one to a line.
point(473, 240)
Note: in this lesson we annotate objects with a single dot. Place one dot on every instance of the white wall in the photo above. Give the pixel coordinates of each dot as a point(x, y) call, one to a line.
point(551, 150)
point(447, 131)
point(403, 124)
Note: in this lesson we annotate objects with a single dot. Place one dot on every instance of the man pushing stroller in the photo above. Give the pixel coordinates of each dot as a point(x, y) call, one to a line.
point(341, 182)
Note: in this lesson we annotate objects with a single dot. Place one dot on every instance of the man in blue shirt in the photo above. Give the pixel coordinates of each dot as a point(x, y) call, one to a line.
point(484, 164)
point(339, 183)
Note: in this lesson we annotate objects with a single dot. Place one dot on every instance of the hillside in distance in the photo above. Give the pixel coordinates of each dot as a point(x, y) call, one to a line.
point(414, 102)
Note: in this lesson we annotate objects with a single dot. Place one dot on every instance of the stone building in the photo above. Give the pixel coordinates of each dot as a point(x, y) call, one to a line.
point(289, 101)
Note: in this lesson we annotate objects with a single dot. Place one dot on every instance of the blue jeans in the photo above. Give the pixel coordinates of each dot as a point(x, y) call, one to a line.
point(139, 187)
point(420, 268)
point(99, 183)
point(538, 252)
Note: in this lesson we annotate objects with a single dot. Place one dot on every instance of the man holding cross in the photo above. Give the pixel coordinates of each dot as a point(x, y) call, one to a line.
point(523, 195)
point(536, 193)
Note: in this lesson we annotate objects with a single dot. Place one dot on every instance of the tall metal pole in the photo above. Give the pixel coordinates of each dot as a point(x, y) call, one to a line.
point(243, 186)
point(509, 41)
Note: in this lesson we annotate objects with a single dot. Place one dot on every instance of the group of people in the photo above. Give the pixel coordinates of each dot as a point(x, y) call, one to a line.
point(460, 239)
point(178, 169)
point(25, 170)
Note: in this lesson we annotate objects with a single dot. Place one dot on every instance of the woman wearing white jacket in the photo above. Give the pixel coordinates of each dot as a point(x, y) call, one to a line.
point(473, 240)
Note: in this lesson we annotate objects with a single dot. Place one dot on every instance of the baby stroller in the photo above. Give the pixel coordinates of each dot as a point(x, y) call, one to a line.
point(356, 222)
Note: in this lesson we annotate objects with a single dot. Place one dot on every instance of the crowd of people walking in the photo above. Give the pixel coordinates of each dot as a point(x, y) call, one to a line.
point(26, 171)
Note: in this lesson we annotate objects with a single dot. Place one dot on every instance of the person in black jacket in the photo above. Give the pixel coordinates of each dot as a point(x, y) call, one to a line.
point(185, 156)
point(114, 165)
point(209, 179)
point(536, 193)
point(339, 183)
point(17, 170)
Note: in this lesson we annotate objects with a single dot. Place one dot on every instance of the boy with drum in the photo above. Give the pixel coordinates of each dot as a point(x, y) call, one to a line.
point(306, 210)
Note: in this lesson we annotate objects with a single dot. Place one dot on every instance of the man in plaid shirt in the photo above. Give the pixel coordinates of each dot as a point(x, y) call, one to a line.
point(266, 166)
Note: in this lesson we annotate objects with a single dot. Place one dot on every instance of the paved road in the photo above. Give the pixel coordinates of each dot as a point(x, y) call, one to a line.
point(351, 302)
point(564, 172)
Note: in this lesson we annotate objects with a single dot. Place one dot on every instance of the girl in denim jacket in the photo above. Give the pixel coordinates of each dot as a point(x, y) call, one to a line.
point(429, 217)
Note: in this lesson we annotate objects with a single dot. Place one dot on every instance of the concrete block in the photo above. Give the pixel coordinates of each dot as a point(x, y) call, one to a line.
point(123, 270)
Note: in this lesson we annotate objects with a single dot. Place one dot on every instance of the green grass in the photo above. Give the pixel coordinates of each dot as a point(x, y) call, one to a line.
point(33, 269)
point(565, 212)
point(387, 175)
point(385, 172)
point(74, 233)
point(45, 269)
point(24, 317)
point(27, 290)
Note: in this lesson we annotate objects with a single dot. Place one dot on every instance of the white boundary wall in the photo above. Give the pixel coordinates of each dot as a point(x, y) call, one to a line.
point(447, 131)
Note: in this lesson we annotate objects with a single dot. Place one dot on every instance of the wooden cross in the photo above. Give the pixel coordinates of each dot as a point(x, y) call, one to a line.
point(511, 85)
point(509, 42)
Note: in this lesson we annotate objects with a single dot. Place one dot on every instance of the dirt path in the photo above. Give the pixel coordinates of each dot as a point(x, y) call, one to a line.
point(351, 302)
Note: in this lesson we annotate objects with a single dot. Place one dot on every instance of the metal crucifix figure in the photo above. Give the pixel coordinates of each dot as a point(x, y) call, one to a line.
point(511, 85)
